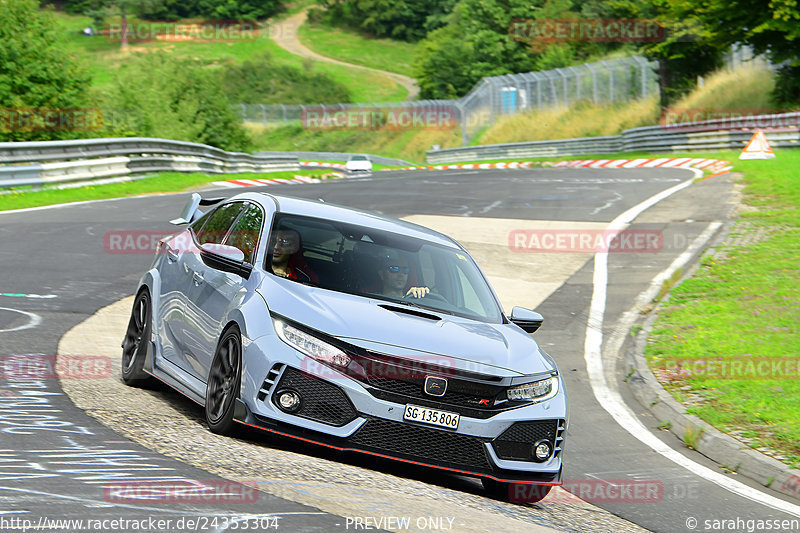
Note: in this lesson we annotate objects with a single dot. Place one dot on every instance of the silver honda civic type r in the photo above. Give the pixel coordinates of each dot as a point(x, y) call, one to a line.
point(351, 330)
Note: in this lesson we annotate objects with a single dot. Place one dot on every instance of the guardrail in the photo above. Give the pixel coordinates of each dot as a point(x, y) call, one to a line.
point(40, 163)
point(782, 131)
point(341, 156)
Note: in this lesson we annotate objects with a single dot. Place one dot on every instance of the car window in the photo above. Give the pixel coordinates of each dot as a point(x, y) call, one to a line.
point(246, 232)
point(218, 224)
point(384, 265)
point(197, 225)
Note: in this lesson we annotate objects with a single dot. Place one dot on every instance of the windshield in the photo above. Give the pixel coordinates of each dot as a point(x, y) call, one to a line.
point(358, 158)
point(380, 265)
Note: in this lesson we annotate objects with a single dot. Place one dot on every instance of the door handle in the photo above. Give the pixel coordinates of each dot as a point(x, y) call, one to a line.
point(172, 255)
point(198, 278)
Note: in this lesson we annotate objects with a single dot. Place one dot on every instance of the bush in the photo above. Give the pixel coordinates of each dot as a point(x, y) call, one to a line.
point(262, 81)
point(157, 95)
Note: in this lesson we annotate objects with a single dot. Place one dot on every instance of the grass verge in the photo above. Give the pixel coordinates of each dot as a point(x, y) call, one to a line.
point(103, 58)
point(165, 182)
point(406, 145)
point(742, 306)
point(352, 47)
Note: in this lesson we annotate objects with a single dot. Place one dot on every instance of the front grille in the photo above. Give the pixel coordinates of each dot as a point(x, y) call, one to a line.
point(459, 392)
point(516, 443)
point(401, 381)
point(439, 446)
point(321, 401)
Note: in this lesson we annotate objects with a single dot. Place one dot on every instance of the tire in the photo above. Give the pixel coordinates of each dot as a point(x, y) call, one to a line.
point(515, 492)
point(134, 346)
point(224, 378)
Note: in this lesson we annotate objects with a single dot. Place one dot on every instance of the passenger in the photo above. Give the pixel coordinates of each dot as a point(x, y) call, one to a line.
point(287, 257)
point(394, 278)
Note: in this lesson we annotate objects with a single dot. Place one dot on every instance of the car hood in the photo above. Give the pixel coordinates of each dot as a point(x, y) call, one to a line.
point(499, 349)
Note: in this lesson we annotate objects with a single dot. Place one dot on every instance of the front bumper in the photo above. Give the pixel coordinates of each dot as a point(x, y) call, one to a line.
point(342, 414)
point(397, 441)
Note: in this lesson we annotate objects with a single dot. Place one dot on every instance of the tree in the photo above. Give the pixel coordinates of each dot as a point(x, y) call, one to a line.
point(407, 20)
point(705, 29)
point(251, 10)
point(37, 77)
point(158, 95)
point(477, 42)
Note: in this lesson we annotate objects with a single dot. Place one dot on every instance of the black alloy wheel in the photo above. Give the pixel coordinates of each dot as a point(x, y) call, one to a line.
point(223, 382)
point(134, 346)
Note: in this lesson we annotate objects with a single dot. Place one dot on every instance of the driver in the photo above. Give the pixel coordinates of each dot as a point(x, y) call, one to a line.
point(287, 257)
point(394, 278)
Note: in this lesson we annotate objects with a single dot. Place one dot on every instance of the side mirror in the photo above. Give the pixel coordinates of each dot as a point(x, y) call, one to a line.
point(225, 258)
point(528, 320)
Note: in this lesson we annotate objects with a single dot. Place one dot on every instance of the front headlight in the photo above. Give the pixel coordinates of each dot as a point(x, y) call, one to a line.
point(538, 391)
point(311, 346)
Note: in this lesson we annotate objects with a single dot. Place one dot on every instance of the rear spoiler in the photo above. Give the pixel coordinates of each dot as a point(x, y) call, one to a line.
point(190, 212)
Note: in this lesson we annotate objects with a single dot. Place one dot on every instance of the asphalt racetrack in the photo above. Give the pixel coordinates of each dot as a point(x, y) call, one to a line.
point(63, 280)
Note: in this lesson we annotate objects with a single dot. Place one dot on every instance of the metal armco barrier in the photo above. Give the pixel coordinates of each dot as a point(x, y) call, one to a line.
point(39, 163)
point(341, 156)
point(782, 131)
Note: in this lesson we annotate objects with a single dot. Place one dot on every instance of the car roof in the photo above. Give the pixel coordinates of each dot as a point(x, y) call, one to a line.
point(348, 215)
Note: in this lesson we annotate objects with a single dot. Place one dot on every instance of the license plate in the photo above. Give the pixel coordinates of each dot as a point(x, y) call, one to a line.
point(445, 419)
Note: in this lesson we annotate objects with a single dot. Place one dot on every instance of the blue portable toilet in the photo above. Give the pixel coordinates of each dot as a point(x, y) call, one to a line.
point(509, 100)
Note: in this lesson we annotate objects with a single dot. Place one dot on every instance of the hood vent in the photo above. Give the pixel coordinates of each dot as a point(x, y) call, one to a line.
point(412, 312)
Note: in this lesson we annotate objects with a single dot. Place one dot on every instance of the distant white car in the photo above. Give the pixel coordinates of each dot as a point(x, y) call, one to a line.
point(358, 163)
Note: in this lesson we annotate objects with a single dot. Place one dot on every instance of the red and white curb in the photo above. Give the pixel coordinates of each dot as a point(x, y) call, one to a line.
point(713, 165)
point(322, 165)
point(265, 181)
point(478, 166)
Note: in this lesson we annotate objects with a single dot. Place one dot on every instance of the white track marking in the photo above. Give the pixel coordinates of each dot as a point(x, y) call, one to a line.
point(33, 320)
point(613, 403)
point(33, 296)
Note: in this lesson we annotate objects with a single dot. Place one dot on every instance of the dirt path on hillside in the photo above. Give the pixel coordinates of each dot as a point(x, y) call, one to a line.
point(285, 34)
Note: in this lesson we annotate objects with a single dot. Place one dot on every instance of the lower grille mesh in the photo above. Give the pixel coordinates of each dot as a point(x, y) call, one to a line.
point(435, 445)
point(322, 401)
point(516, 443)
